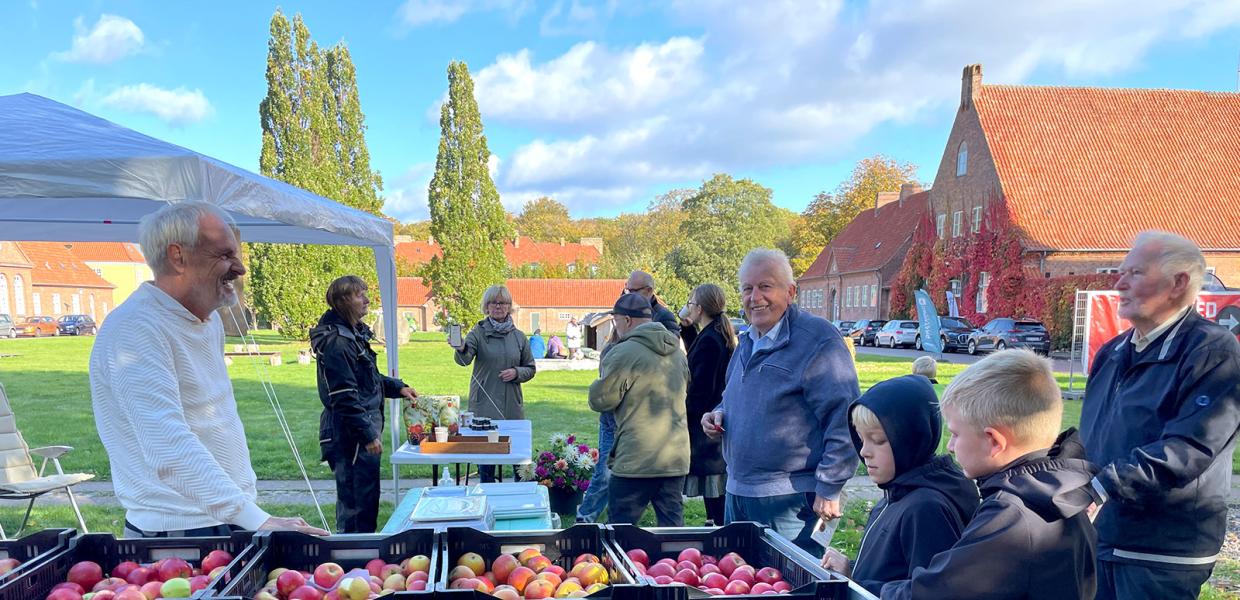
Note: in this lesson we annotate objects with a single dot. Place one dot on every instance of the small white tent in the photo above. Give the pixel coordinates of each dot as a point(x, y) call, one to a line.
point(66, 175)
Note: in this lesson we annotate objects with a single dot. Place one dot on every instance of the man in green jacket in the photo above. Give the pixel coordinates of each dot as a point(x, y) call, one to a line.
point(643, 380)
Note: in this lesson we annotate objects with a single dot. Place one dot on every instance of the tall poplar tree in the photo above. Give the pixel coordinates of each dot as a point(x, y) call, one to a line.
point(313, 138)
point(467, 218)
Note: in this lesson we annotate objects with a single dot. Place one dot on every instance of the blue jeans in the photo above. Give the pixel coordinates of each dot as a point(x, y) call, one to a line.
point(791, 516)
point(595, 499)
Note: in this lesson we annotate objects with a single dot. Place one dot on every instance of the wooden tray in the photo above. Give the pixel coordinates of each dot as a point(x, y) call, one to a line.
point(467, 444)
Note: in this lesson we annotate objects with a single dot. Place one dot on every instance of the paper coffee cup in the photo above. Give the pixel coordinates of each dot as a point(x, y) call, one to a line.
point(441, 434)
point(493, 436)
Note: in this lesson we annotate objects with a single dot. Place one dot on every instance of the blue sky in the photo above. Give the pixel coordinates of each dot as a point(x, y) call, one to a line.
point(603, 105)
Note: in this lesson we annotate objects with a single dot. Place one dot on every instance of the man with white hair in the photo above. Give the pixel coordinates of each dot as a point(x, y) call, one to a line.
point(1161, 412)
point(163, 403)
point(784, 414)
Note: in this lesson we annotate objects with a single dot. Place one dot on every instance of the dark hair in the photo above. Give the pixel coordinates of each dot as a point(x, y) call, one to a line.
point(709, 297)
point(341, 290)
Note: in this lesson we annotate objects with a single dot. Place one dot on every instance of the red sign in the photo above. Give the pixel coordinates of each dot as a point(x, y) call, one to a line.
point(1102, 320)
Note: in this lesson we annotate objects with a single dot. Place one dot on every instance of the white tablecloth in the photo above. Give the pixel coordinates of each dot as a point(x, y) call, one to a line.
point(519, 433)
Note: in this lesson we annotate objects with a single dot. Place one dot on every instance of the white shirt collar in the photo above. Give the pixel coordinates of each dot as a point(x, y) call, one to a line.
point(1141, 342)
point(770, 335)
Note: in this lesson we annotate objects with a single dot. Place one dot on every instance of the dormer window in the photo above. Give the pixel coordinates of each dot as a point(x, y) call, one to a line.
point(962, 159)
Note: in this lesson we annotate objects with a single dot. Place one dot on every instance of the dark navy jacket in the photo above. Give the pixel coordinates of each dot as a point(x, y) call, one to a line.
point(926, 506)
point(351, 387)
point(1030, 538)
point(1162, 424)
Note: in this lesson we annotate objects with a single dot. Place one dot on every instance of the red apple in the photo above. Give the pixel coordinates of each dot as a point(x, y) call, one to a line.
point(130, 593)
point(504, 566)
point(460, 572)
point(289, 581)
point(769, 575)
point(782, 586)
point(736, 588)
point(332, 595)
point(538, 589)
point(394, 582)
point(728, 563)
point(687, 577)
point(69, 586)
point(110, 583)
point(638, 555)
point(475, 562)
point(692, 555)
point(708, 559)
point(585, 557)
point(743, 573)
point(414, 585)
point(659, 569)
point(103, 595)
point(557, 569)
point(140, 575)
point(419, 576)
point(215, 559)
point(198, 582)
point(520, 577)
point(306, 592)
point(506, 593)
point(708, 568)
point(714, 591)
point(216, 572)
point(464, 583)
point(375, 566)
point(173, 568)
point(715, 580)
point(64, 594)
point(122, 570)
point(663, 579)
point(539, 563)
point(761, 588)
point(671, 562)
point(327, 574)
point(151, 589)
point(86, 574)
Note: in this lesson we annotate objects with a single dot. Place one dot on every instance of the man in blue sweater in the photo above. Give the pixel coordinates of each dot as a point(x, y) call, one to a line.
point(784, 415)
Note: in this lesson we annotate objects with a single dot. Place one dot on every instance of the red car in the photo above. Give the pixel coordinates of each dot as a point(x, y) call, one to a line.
point(38, 327)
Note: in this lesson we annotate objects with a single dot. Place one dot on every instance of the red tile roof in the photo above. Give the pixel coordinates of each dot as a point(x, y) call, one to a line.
point(1088, 167)
point(53, 264)
point(412, 291)
point(107, 252)
point(873, 238)
point(527, 251)
point(566, 293)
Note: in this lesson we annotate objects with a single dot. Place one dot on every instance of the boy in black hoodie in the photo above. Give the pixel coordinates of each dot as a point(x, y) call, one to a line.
point(926, 501)
point(1030, 538)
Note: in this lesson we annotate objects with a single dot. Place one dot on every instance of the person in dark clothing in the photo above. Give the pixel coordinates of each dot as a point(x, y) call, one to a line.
point(1031, 536)
point(710, 349)
point(352, 390)
point(1160, 416)
point(927, 500)
point(641, 282)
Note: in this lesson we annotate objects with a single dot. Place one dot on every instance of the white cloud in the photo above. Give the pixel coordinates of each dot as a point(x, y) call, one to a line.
point(417, 13)
point(111, 39)
point(176, 107)
point(791, 82)
point(405, 196)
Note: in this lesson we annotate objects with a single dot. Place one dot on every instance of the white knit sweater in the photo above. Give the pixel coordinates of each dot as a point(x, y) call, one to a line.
point(165, 411)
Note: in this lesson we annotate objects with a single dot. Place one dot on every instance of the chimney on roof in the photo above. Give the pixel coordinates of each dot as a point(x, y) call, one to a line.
point(885, 198)
point(908, 189)
point(970, 85)
point(516, 242)
point(561, 242)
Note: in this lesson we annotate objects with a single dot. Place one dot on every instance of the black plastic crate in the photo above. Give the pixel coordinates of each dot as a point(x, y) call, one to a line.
point(562, 547)
point(33, 549)
point(108, 551)
point(759, 546)
point(292, 550)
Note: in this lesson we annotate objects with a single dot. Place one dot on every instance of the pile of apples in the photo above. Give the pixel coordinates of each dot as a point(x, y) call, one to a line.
point(727, 576)
point(529, 575)
point(7, 565)
point(329, 581)
point(167, 578)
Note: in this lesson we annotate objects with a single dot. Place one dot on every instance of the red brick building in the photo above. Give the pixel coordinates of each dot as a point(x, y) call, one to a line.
point(15, 282)
point(851, 278)
point(1082, 170)
point(545, 304)
point(61, 284)
point(519, 252)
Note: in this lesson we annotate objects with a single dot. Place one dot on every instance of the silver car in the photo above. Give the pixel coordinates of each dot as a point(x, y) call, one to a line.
point(7, 328)
point(897, 334)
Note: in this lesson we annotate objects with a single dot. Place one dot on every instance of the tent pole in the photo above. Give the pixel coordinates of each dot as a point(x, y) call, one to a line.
point(385, 264)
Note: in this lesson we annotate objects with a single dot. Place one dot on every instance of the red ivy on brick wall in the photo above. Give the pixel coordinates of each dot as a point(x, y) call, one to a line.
point(915, 271)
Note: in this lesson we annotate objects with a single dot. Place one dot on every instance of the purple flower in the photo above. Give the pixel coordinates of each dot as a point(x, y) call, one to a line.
point(546, 456)
point(583, 448)
point(571, 439)
point(541, 471)
point(583, 484)
point(559, 482)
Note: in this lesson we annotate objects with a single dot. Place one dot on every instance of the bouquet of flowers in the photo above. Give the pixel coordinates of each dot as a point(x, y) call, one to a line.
point(567, 465)
point(424, 413)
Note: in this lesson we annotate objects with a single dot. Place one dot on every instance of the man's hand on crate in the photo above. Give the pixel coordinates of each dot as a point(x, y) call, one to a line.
point(291, 524)
point(835, 560)
point(827, 508)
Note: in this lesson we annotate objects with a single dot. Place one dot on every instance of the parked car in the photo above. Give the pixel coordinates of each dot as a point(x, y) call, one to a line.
point(897, 334)
point(7, 328)
point(739, 325)
point(863, 331)
point(77, 325)
point(39, 326)
point(844, 326)
point(953, 332)
point(1009, 332)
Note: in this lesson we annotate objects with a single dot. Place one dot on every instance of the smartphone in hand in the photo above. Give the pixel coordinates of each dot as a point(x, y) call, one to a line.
point(454, 336)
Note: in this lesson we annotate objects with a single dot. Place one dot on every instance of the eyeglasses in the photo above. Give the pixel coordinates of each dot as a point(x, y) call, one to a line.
point(499, 304)
point(692, 303)
point(635, 290)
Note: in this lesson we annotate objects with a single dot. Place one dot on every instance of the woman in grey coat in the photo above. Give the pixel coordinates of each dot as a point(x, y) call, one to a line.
point(502, 362)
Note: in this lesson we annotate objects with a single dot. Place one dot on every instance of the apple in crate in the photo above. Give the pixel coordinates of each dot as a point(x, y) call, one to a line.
point(692, 555)
point(64, 594)
point(744, 573)
point(306, 592)
point(151, 589)
point(503, 566)
point(520, 577)
point(139, 576)
point(715, 580)
point(354, 588)
point(417, 563)
point(327, 574)
point(175, 568)
point(638, 555)
point(177, 587)
point(538, 589)
point(586, 557)
point(736, 588)
point(289, 581)
point(86, 574)
point(769, 575)
point(215, 559)
point(130, 593)
point(687, 577)
point(109, 584)
point(122, 570)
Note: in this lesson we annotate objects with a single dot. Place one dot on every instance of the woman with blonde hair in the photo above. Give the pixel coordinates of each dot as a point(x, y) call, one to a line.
point(710, 339)
point(502, 361)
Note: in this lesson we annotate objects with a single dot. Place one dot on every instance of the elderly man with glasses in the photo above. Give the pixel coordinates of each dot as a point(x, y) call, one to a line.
point(642, 284)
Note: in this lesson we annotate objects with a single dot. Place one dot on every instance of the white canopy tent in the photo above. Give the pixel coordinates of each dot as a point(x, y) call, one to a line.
point(66, 175)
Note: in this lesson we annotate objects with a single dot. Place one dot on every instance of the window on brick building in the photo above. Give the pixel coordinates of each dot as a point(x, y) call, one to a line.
point(962, 160)
point(940, 224)
point(4, 294)
point(55, 304)
point(19, 295)
point(1107, 270)
point(957, 217)
point(36, 299)
point(983, 283)
point(976, 226)
point(874, 295)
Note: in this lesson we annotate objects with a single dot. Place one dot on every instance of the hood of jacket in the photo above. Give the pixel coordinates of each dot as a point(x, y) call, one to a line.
point(1053, 483)
point(331, 323)
point(908, 409)
point(655, 337)
point(942, 475)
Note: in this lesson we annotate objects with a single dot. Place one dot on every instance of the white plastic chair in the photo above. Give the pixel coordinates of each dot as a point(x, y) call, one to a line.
point(18, 478)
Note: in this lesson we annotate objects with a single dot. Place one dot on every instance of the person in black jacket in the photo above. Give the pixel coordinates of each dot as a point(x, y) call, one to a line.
point(710, 340)
point(927, 500)
point(1160, 416)
point(1031, 536)
point(352, 390)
